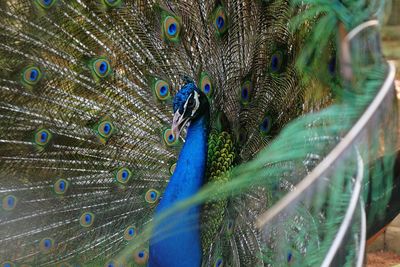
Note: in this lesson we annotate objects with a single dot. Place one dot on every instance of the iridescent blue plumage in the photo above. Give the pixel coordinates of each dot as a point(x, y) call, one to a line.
point(183, 229)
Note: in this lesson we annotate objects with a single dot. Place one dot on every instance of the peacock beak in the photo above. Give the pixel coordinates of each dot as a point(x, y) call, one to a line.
point(178, 123)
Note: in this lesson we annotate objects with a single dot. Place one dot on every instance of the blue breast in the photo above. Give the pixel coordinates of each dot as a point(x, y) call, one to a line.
point(176, 240)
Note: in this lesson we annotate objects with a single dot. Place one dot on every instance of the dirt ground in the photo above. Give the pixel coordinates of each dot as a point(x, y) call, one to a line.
point(382, 259)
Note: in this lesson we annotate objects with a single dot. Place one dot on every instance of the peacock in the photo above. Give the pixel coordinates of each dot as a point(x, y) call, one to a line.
point(127, 127)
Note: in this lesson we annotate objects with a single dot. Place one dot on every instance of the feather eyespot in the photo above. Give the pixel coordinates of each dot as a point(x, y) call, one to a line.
point(46, 3)
point(61, 186)
point(9, 202)
point(42, 137)
point(123, 175)
point(46, 245)
point(31, 76)
point(101, 68)
point(278, 62)
point(162, 90)
point(86, 219)
point(229, 227)
point(169, 138)
point(289, 256)
point(219, 262)
point(141, 257)
point(112, 3)
point(129, 233)
point(114, 263)
point(332, 65)
point(171, 28)
point(220, 20)
point(172, 169)
point(205, 84)
point(245, 93)
point(105, 128)
point(152, 196)
point(8, 264)
point(266, 125)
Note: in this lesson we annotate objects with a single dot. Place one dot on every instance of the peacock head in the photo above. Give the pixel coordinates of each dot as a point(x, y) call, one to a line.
point(189, 105)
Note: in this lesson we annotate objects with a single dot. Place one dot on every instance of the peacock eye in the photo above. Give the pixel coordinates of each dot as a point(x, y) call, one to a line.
point(245, 93)
point(205, 84)
point(9, 202)
point(289, 256)
point(141, 257)
point(61, 186)
point(111, 263)
point(278, 61)
point(46, 245)
point(220, 20)
point(332, 65)
point(152, 196)
point(123, 175)
point(171, 28)
point(31, 75)
point(112, 3)
point(161, 89)
point(46, 3)
point(42, 137)
point(129, 233)
point(101, 68)
point(8, 264)
point(266, 125)
point(87, 219)
point(219, 262)
point(169, 138)
point(105, 129)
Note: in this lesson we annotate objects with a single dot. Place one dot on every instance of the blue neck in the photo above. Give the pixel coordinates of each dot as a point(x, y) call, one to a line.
point(182, 246)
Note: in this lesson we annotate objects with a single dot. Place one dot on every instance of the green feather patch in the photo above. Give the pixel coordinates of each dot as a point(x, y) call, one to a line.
point(220, 20)
point(45, 4)
point(220, 160)
point(31, 76)
point(100, 68)
point(161, 89)
point(104, 129)
point(171, 26)
point(205, 84)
